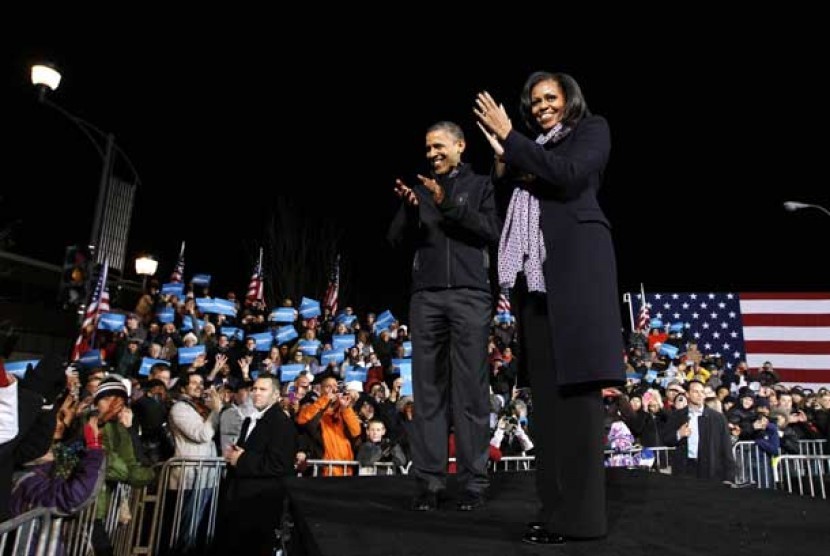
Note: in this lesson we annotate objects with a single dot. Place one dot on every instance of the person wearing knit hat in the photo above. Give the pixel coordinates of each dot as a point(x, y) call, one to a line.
point(110, 386)
point(115, 421)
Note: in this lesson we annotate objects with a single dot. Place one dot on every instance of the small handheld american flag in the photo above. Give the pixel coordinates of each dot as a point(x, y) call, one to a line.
point(330, 299)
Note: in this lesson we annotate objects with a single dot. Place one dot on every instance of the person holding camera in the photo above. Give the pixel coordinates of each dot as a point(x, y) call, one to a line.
point(510, 436)
point(334, 423)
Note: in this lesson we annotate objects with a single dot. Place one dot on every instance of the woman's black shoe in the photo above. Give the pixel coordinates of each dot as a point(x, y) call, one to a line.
point(537, 534)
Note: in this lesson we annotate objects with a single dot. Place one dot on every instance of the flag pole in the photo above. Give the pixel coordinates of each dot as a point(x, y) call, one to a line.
point(261, 287)
point(627, 300)
point(642, 294)
point(102, 280)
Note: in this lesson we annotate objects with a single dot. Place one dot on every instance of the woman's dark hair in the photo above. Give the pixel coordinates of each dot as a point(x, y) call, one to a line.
point(575, 106)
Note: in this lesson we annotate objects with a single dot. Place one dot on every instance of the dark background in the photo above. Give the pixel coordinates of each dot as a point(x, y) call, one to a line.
point(710, 135)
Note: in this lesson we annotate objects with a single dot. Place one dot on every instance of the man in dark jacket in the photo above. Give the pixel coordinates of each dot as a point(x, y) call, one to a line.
point(259, 462)
point(451, 217)
point(700, 435)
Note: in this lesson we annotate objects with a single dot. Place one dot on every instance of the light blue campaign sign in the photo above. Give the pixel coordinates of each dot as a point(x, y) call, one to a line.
point(668, 350)
point(384, 319)
point(311, 311)
point(112, 321)
point(206, 304)
point(147, 362)
point(18, 368)
point(263, 340)
point(200, 280)
point(307, 302)
point(343, 341)
point(309, 347)
point(332, 355)
point(231, 332)
point(283, 314)
point(407, 349)
point(188, 355)
point(165, 315)
point(286, 334)
point(289, 372)
point(356, 373)
point(187, 324)
point(92, 358)
point(345, 319)
point(651, 376)
point(173, 288)
point(405, 368)
point(224, 307)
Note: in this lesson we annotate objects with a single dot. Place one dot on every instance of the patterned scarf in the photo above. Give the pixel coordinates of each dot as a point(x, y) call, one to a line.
point(522, 245)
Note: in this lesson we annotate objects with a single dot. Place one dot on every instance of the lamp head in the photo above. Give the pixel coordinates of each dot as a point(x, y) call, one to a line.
point(794, 205)
point(44, 76)
point(146, 265)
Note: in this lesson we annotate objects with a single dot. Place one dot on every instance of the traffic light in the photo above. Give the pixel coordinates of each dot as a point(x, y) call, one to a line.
point(75, 278)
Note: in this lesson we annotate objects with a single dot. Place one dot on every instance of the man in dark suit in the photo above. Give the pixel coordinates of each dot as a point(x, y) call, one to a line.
point(259, 461)
point(701, 439)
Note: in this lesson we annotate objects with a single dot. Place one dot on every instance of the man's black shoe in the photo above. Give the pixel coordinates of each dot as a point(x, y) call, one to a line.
point(537, 534)
point(425, 501)
point(470, 501)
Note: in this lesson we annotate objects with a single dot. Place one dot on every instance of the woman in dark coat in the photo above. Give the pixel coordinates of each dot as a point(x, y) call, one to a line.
point(557, 255)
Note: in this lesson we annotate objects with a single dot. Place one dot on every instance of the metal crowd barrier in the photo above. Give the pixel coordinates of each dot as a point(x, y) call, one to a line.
point(803, 475)
point(74, 530)
point(186, 502)
point(514, 463)
point(811, 447)
point(326, 467)
point(27, 534)
point(753, 465)
point(662, 458)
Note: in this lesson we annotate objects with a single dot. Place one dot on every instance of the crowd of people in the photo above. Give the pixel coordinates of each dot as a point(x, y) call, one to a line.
point(268, 395)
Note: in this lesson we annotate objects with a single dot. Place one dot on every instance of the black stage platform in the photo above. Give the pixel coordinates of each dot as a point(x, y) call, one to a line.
point(649, 514)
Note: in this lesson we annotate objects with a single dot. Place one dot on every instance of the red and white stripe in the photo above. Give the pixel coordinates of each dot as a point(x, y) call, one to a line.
point(790, 330)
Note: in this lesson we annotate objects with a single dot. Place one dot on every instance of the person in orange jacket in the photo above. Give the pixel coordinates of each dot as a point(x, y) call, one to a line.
point(338, 425)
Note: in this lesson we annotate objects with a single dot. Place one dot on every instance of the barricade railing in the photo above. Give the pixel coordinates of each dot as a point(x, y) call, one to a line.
point(514, 463)
point(186, 502)
point(27, 534)
point(753, 465)
point(811, 447)
point(331, 467)
point(662, 458)
point(803, 475)
point(74, 530)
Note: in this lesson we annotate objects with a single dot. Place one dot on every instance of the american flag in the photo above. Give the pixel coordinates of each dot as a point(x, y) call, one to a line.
point(643, 318)
point(255, 286)
point(178, 270)
point(98, 303)
point(790, 330)
point(330, 298)
point(503, 305)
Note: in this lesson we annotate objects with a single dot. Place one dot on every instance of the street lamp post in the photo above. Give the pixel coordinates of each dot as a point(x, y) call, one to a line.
point(47, 78)
point(793, 206)
point(145, 266)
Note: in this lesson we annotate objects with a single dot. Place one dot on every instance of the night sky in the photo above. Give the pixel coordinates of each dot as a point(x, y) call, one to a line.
point(707, 144)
